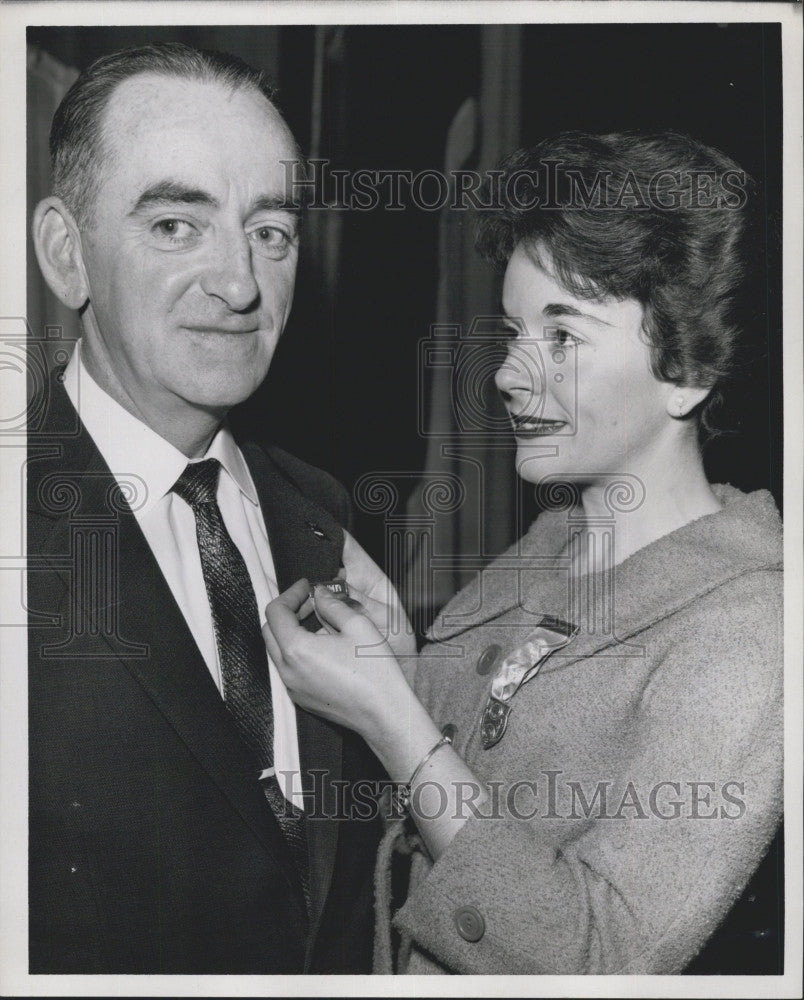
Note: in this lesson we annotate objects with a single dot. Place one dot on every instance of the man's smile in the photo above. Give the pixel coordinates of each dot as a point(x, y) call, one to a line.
point(222, 328)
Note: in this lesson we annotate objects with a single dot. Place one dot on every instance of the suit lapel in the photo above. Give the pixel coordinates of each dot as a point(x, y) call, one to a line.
point(150, 636)
point(320, 751)
point(305, 542)
point(187, 695)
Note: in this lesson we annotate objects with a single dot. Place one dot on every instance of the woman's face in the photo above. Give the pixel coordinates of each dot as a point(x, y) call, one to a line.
point(577, 381)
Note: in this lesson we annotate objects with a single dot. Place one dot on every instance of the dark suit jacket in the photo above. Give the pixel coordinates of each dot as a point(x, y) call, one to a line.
point(152, 850)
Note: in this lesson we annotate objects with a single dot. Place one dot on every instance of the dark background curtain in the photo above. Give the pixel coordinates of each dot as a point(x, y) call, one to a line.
point(348, 390)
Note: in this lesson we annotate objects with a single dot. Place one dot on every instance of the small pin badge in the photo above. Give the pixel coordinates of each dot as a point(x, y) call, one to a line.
point(316, 530)
point(494, 722)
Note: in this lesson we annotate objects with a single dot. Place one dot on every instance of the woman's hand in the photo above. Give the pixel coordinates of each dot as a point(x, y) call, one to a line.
point(350, 677)
point(369, 585)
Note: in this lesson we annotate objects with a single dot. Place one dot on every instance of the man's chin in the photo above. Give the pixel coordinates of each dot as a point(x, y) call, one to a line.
point(217, 393)
point(218, 405)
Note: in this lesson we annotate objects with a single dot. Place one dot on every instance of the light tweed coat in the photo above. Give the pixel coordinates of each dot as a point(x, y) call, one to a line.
point(687, 689)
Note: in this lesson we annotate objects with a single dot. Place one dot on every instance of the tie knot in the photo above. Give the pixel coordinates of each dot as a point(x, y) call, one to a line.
point(198, 483)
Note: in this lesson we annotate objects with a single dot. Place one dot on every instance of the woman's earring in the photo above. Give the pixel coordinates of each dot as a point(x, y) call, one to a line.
point(680, 404)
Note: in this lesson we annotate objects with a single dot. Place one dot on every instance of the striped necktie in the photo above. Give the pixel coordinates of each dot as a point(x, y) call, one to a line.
point(241, 649)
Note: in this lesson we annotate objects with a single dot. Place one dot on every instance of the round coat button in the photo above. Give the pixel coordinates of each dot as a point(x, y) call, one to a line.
point(487, 659)
point(470, 923)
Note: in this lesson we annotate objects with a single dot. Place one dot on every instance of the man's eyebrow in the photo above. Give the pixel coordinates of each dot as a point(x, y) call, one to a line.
point(275, 203)
point(173, 192)
point(556, 309)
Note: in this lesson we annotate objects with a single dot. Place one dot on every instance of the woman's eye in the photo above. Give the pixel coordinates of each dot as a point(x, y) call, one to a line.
point(561, 337)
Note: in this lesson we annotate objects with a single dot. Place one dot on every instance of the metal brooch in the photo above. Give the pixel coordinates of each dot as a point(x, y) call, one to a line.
point(520, 666)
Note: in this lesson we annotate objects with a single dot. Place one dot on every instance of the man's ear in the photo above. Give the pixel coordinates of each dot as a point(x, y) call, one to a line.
point(58, 250)
point(684, 398)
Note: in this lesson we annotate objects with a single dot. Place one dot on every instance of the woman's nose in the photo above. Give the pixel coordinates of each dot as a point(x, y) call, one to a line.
point(521, 373)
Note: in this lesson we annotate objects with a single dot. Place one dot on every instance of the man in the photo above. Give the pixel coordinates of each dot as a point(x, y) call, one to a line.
point(177, 797)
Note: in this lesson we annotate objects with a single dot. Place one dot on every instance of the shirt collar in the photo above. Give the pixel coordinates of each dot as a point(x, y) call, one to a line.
point(132, 449)
point(225, 449)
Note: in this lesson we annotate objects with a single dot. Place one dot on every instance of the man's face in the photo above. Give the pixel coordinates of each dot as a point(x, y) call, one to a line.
point(190, 261)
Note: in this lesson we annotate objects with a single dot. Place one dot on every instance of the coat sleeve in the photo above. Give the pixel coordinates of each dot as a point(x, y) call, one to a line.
point(636, 892)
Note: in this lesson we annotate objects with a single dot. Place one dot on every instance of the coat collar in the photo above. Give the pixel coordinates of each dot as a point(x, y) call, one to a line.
point(529, 581)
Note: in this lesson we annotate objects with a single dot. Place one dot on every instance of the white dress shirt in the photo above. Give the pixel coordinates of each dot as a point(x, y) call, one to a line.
point(132, 449)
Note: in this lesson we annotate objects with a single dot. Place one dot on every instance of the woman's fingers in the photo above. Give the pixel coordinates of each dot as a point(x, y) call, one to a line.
point(344, 676)
point(283, 633)
point(360, 570)
point(333, 611)
point(295, 596)
point(281, 624)
point(271, 645)
point(306, 609)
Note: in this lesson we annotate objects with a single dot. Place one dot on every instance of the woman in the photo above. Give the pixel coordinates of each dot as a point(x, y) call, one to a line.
point(615, 679)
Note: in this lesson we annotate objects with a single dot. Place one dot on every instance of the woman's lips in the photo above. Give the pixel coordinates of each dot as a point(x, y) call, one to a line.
point(533, 427)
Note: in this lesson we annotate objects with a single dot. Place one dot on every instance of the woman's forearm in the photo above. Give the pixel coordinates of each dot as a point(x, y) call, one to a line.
point(442, 787)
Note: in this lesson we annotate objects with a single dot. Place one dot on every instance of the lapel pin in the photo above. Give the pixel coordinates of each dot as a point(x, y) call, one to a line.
point(316, 530)
point(339, 590)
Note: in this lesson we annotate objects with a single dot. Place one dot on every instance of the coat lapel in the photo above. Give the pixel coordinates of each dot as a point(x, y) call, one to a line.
point(149, 636)
point(305, 542)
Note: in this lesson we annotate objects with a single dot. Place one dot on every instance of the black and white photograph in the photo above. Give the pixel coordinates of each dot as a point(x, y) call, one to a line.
point(402, 499)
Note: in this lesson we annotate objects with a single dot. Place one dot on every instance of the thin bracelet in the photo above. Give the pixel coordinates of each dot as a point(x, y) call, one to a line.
point(401, 794)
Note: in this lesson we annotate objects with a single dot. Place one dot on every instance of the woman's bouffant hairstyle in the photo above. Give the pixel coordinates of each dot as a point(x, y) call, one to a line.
point(658, 218)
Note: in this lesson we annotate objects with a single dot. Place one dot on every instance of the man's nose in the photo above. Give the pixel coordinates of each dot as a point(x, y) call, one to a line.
point(229, 275)
point(521, 375)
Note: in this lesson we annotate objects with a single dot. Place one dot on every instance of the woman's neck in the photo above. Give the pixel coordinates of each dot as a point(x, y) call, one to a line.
point(667, 495)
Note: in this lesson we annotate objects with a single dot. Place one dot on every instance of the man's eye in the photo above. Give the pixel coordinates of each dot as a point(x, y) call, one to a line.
point(271, 241)
point(174, 230)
